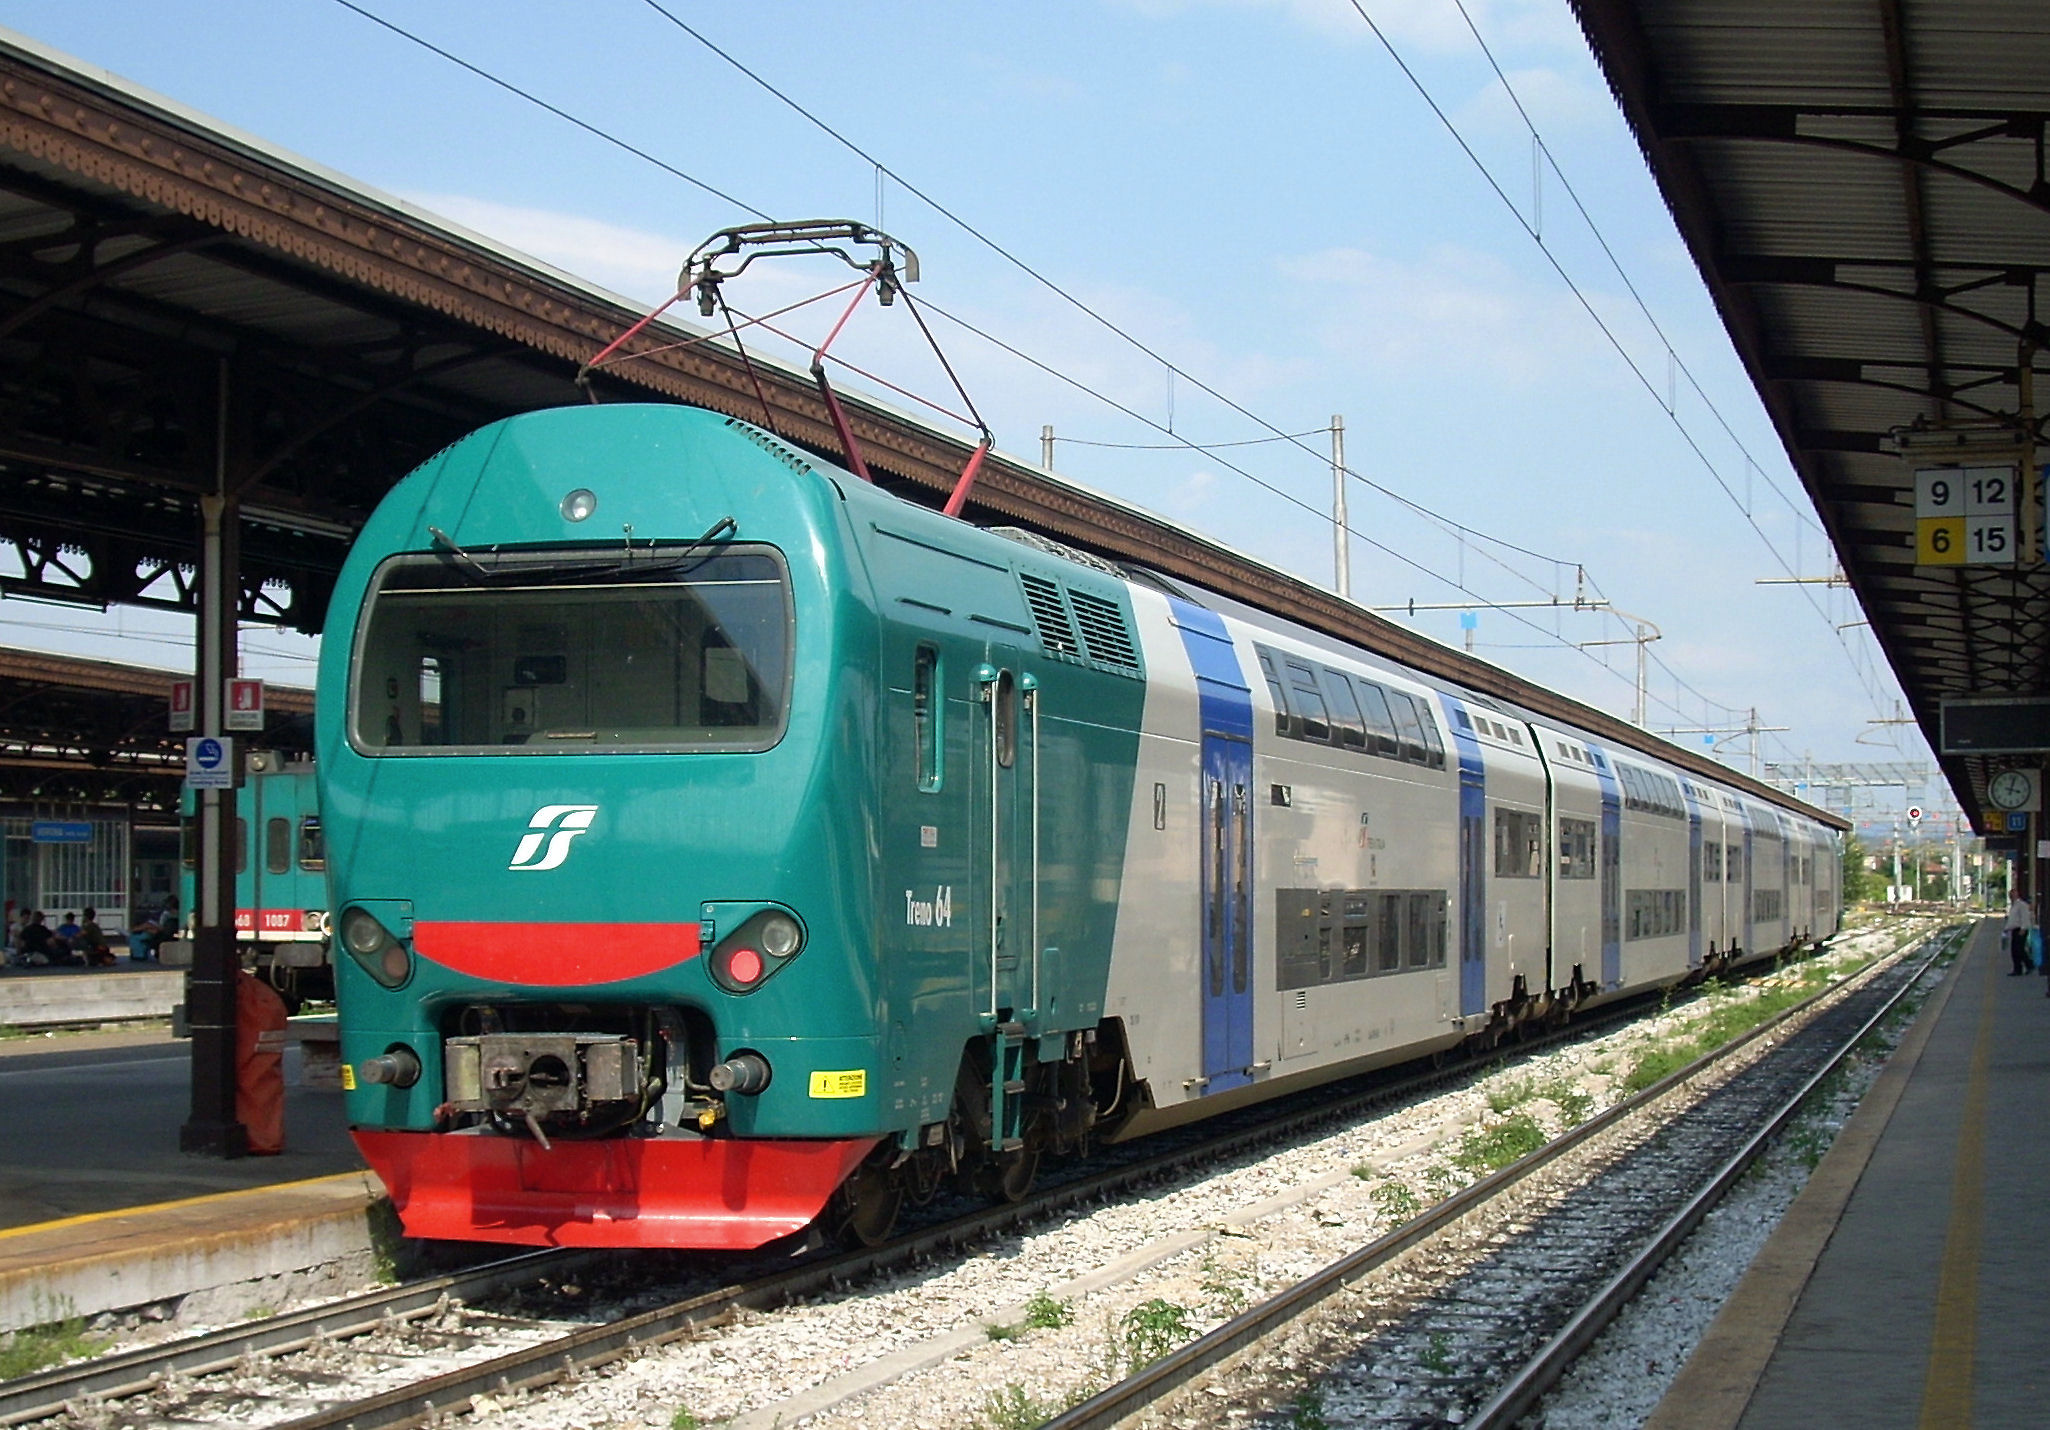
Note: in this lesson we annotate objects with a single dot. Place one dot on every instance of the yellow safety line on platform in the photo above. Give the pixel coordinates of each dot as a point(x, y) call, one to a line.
point(1947, 1391)
point(86, 1217)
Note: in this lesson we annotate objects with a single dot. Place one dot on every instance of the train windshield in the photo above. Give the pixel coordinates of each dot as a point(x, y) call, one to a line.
point(555, 653)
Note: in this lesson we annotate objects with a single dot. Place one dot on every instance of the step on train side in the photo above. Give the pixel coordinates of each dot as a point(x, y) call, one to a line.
point(721, 847)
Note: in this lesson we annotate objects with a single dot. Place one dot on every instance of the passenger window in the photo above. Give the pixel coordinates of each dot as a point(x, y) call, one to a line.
point(1349, 730)
point(1381, 737)
point(1417, 937)
point(1281, 714)
point(1409, 726)
point(1308, 702)
point(312, 846)
point(1518, 848)
point(926, 707)
point(277, 845)
point(1434, 744)
point(1388, 935)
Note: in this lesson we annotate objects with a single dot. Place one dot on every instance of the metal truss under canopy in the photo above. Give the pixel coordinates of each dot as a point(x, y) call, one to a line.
point(76, 733)
point(1863, 187)
point(184, 310)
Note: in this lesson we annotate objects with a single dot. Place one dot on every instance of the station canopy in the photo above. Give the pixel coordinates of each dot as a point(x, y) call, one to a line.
point(184, 308)
point(1863, 187)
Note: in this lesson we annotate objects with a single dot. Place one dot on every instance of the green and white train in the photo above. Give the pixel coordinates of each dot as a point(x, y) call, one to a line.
point(721, 845)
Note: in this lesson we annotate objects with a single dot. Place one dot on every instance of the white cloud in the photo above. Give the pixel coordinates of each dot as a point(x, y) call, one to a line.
point(1554, 100)
point(632, 262)
point(1451, 313)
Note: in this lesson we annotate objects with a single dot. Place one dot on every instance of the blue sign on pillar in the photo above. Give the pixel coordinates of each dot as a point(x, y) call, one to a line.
point(209, 762)
point(60, 831)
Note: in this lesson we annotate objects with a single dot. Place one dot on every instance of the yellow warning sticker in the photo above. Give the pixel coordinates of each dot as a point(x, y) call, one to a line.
point(840, 1084)
point(348, 1077)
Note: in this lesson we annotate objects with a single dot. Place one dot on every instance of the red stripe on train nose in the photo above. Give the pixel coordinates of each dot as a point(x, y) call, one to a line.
point(555, 955)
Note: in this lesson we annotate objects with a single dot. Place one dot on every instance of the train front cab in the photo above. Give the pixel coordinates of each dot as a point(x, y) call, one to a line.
point(597, 728)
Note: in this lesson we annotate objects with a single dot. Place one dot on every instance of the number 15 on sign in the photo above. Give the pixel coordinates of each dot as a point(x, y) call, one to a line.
point(1964, 516)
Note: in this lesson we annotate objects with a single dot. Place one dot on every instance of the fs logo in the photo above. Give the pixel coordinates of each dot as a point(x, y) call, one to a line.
point(566, 820)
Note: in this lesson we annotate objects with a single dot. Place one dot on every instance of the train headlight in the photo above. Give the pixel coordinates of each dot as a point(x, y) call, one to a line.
point(371, 944)
point(579, 504)
point(746, 958)
point(780, 935)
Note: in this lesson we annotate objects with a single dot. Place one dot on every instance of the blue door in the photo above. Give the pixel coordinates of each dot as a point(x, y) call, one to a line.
point(1225, 853)
point(1473, 856)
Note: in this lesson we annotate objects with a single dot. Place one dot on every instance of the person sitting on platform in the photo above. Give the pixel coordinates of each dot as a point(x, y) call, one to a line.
point(37, 942)
point(91, 944)
point(2020, 919)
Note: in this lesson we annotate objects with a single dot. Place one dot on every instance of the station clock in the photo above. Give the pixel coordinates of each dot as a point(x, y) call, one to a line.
point(2012, 790)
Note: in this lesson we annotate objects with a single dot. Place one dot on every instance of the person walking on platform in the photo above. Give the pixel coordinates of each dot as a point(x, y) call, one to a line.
point(2020, 919)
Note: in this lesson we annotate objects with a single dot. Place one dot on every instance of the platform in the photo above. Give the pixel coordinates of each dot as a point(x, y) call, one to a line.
point(1905, 1287)
point(99, 1210)
point(69, 997)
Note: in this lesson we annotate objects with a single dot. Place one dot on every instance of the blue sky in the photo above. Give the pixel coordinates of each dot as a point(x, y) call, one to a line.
point(1252, 188)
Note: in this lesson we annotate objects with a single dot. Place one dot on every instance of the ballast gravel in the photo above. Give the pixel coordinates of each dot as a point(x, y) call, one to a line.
point(1012, 1333)
point(958, 1344)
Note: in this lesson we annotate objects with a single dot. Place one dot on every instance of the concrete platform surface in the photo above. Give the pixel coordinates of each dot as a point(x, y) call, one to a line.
point(117, 1260)
point(1907, 1284)
point(89, 1123)
point(40, 997)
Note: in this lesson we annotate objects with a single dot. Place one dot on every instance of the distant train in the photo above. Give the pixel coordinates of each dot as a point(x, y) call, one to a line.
point(281, 911)
point(721, 844)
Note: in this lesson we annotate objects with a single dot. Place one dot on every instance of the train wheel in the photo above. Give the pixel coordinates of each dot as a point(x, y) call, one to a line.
point(871, 1199)
point(1010, 1176)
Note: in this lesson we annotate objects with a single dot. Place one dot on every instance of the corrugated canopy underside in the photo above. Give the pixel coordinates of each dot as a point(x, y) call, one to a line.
point(1862, 185)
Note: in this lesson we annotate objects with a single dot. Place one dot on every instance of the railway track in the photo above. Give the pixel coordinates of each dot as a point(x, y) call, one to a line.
point(1473, 1334)
point(562, 1354)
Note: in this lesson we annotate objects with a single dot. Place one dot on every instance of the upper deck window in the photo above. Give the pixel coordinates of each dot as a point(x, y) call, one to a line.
point(573, 652)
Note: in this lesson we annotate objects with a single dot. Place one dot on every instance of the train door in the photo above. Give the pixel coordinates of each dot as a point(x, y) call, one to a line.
point(1007, 765)
point(1611, 872)
point(1473, 863)
point(1225, 857)
point(1747, 905)
point(1227, 909)
point(1693, 875)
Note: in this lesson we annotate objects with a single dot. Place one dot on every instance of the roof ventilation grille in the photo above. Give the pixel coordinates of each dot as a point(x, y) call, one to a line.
point(1104, 630)
point(1049, 614)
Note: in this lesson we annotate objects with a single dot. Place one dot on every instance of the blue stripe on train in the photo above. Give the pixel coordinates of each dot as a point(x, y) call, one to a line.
point(1473, 850)
point(1225, 851)
point(1611, 870)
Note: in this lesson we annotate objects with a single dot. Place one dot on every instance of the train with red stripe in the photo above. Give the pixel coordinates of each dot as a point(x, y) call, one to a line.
point(723, 847)
point(282, 926)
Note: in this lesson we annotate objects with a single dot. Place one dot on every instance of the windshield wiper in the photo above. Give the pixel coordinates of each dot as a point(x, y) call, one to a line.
point(507, 566)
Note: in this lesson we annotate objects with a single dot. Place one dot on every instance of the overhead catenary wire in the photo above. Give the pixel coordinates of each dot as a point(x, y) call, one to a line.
point(1174, 370)
point(1451, 525)
point(1454, 527)
point(1544, 150)
point(1524, 222)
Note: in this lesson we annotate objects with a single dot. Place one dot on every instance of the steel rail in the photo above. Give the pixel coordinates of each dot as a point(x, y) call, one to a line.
point(135, 1372)
point(36, 1397)
point(1543, 1370)
point(1179, 1367)
point(565, 1357)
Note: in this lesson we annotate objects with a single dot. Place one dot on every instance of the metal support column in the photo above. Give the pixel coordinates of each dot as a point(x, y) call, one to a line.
point(213, 1128)
point(1341, 560)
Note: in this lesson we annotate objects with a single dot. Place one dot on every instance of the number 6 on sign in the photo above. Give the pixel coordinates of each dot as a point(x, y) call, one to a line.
point(1940, 541)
